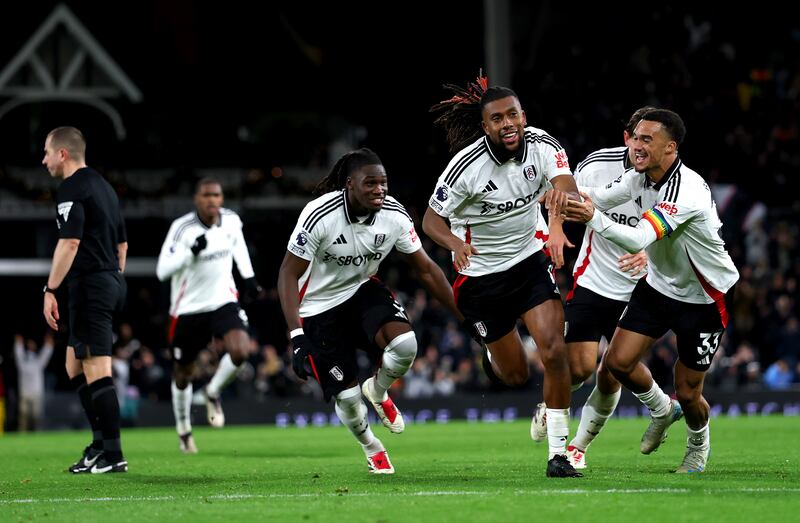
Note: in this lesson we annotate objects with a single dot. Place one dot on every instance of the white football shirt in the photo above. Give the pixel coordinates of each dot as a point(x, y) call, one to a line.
point(493, 204)
point(597, 266)
point(205, 282)
point(679, 229)
point(345, 250)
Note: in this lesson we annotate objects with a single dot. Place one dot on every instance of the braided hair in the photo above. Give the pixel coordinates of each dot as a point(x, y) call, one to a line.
point(344, 167)
point(461, 115)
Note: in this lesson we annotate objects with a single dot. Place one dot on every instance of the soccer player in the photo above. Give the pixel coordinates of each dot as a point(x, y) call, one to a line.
point(198, 255)
point(689, 283)
point(90, 257)
point(604, 277)
point(333, 303)
point(490, 193)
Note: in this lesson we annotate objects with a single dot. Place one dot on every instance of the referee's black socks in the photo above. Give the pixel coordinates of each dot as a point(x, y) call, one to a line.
point(104, 399)
point(85, 395)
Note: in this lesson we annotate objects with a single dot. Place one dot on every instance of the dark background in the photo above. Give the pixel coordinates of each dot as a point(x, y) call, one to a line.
point(235, 84)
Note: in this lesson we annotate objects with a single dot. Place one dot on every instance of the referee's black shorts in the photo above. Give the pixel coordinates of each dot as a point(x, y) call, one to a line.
point(494, 302)
point(93, 300)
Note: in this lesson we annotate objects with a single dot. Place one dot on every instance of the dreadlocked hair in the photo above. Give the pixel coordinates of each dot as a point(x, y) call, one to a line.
point(461, 115)
point(344, 167)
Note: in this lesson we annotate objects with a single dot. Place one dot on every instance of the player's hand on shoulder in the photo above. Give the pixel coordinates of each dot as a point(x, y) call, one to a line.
point(199, 244)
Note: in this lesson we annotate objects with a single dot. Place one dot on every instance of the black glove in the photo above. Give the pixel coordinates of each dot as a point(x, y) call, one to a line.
point(251, 291)
point(199, 244)
point(301, 347)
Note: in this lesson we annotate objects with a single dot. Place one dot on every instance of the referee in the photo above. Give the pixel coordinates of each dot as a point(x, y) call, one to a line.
point(90, 258)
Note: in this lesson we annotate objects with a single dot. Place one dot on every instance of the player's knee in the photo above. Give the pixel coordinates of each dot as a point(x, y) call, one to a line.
point(687, 394)
point(580, 372)
point(238, 355)
point(403, 348)
point(619, 367)
point(349, 400)
point(181, 376)
point(554, 354)
point(516, 377)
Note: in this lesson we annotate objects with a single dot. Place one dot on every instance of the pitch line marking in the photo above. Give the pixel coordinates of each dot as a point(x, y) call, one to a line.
point(234, 497)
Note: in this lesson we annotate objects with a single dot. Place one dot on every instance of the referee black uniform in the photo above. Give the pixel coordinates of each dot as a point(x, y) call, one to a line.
point(88, 209)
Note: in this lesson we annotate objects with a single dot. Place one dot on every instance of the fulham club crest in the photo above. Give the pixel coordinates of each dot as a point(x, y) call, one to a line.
point(481, 328)
point(529, 172)
point(379, 239)
point(337, 374)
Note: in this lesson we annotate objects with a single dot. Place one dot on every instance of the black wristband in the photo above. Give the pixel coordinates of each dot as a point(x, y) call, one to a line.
point(48, 289)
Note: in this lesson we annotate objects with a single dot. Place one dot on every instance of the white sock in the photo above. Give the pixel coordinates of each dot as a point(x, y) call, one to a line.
point(557, 431)
point(182, 408)
point(397, 358)
point(655, 400)
point(599, 407)
point(224, 375)
point(698, 438)
point(353, 414)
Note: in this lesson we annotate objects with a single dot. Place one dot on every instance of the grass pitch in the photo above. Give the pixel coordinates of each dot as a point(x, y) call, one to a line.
point(445, 472)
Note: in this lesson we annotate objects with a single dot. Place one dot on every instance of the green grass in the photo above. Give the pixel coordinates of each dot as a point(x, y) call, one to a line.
point(451, 472)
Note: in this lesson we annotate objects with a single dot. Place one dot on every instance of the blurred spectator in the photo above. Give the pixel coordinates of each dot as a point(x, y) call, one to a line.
point(740, 369)
point(269, 373)
point(148, 376)
point(31, 364)
point(780, 375)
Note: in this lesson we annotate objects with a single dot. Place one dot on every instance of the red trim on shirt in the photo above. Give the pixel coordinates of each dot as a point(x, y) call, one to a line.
point(460, 279)
point(580, 270)
point(544, 237)
point(173, 324)
point(303, 290)
point(314, 368)
point(180, 296)
point(716, 295)
point(468, 241)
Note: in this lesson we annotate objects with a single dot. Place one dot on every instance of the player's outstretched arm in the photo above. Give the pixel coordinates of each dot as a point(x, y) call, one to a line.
point(437, 229)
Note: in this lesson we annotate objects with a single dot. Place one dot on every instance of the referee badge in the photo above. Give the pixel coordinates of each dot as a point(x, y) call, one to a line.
point(379, 239)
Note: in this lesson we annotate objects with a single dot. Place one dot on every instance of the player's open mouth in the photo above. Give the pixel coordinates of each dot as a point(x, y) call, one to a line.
point(376, 202)
point(510, 138)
